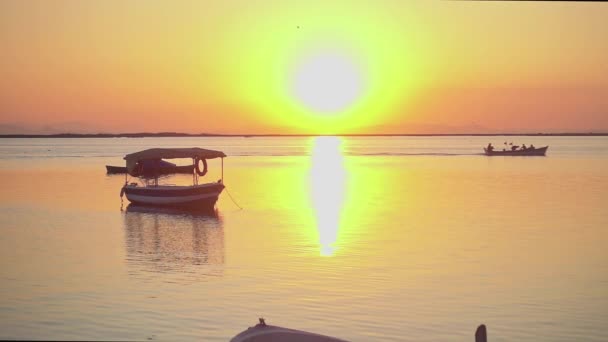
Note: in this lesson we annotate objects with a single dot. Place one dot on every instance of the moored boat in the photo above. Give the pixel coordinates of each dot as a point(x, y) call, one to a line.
point(541, 151)
point(110, 169)
point(195, 195)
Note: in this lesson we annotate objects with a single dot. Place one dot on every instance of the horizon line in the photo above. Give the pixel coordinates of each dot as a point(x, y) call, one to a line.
point(178, 135)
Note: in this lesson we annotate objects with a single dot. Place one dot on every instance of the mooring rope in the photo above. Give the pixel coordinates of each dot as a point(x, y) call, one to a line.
point(233, 201)
point(122, 191)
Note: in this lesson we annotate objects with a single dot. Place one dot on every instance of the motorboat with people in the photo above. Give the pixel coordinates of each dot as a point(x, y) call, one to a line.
point(150, 167)
point(198, 195)
point(515, 150)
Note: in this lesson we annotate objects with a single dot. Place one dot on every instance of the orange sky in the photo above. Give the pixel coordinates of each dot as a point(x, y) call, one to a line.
point(294, 67)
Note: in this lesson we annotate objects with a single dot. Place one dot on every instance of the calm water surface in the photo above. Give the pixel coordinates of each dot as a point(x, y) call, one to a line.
point(388, 239)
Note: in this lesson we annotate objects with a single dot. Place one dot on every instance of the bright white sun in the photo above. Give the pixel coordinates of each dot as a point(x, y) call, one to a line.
point(327, 83)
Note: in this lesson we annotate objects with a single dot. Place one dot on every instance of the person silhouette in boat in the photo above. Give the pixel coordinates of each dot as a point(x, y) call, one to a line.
point(490, 148)
point(531, 146)
point(523, 147)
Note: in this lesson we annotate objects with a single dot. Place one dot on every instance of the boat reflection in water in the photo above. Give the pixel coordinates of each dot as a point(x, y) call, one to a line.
point(186, 244)
point(327, 186)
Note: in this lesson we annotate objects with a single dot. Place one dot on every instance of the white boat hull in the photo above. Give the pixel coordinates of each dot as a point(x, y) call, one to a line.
point(204, 195)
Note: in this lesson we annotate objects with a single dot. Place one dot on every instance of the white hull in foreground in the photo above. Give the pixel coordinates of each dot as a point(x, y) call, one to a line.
point(204, 195)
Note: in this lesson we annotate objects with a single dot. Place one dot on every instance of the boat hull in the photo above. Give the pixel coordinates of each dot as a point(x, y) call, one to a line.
point(529, 152)
point(271, 333)
point(115, 169)
point(196, 196)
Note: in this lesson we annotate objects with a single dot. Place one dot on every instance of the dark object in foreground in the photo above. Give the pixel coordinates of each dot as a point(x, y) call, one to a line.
point(520, 152)
point(481, 334)
point(262, 332)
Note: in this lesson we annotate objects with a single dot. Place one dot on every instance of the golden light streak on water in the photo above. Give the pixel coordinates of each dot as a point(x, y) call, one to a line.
point(327, 187)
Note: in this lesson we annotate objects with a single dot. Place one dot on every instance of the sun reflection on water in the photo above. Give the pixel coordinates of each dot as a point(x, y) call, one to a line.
point(327, 186)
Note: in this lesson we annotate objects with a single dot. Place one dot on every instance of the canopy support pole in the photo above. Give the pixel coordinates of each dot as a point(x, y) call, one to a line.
point(193, 172)
point(222, 170)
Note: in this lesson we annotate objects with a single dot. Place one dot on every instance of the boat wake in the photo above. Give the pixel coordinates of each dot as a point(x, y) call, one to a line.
point(257, 154)
point(355, 154)
point(416, 154)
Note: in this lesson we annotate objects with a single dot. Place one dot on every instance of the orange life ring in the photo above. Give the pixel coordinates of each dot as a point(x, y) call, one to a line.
point(198, 169)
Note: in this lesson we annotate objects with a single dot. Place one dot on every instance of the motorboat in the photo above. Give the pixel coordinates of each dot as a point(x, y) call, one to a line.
point(150, 167)
point(198, 195)
point(540, 151)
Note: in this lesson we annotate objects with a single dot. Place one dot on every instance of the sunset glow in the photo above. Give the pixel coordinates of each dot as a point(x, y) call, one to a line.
point(315, 67)
point(344, 170)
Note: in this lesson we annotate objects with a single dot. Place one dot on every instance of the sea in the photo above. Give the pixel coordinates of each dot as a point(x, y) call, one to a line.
point(361, 238)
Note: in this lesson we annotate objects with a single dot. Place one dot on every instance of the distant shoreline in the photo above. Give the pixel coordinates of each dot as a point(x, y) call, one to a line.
point(187, 135)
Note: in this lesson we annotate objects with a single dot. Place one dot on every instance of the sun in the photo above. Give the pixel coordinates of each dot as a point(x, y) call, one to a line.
point(327, 83)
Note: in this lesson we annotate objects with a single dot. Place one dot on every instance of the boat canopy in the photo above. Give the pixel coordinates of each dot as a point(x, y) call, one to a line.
point(169, 153)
